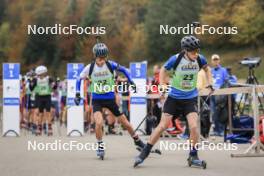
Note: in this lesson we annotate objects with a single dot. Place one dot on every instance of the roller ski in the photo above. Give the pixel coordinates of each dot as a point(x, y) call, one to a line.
point(195, 161)
point(100, 152)
point(138, 161)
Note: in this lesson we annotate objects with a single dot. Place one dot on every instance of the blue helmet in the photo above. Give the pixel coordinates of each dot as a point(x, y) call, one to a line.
point(190, 43)
point(100, 50)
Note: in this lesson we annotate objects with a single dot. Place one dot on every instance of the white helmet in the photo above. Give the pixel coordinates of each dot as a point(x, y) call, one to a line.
point(41, 69)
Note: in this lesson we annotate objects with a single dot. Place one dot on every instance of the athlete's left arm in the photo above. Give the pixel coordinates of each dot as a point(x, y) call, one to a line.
point(122, 69)
point(207, 69)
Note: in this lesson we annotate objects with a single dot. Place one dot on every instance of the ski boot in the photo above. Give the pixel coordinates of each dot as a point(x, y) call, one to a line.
point(34, 129)
point(141, 157)
point(39, 130)
point(100, 152)
point(50, 131)
point(45, 129)
point(140, 145)
point(195, 161)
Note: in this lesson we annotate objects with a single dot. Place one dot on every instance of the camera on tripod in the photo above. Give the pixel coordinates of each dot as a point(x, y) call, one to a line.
point(251, 62)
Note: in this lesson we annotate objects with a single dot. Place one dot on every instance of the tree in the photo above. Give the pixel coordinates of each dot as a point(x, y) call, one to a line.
point(89, 19)
point(2, 10)
point(42, 47)
point(246, 15)
point(170, 13)
point(4, 41)
point(249, 19)
point(123, 21)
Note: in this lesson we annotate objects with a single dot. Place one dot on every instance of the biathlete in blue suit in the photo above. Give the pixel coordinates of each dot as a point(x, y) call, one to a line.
point(182, 97)
point(101, 74)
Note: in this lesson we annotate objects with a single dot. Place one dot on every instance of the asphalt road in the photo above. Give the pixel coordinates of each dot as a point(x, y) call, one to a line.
point(17, 160)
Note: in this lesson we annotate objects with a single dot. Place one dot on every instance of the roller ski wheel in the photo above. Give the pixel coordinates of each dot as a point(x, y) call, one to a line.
point(195, 161)
point(157, 151)
point(138, 161)
point(100, 154)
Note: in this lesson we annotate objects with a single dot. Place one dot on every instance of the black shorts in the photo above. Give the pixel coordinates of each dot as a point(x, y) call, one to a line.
point(180, 107)
point(110, 104)
point(30, 104)
point(33, 104)
point(44, 102)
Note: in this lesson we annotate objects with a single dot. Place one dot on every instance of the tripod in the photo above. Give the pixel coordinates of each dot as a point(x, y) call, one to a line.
point(251, 79)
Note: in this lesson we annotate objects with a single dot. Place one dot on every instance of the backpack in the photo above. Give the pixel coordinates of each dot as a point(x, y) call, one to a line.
point(179, 58)
point(107, 64)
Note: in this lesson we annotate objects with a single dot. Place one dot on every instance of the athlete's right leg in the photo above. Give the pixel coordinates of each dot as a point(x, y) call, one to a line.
point(48, 114)
point(39, 122)
point(99, 121)
point(40, 117)
point(170, 109)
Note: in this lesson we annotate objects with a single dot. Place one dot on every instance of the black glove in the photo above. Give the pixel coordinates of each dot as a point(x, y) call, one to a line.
point(210, 87)
point(77, 98)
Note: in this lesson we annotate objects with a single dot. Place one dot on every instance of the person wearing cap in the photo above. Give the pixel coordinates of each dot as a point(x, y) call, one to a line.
point(220, 78)
point(219, 73)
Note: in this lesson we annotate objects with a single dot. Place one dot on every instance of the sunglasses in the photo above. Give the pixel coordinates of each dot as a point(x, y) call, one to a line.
point(215, 59)
point(195, 52)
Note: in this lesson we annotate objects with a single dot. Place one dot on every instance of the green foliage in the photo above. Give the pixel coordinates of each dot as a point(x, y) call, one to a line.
point(4, 40)
point(42, 47)
point(72, 7)
point(246, 15)
point(172, 13)
point(2, 10)
point(132, 29)
point(249, 18)
point(91, 15)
